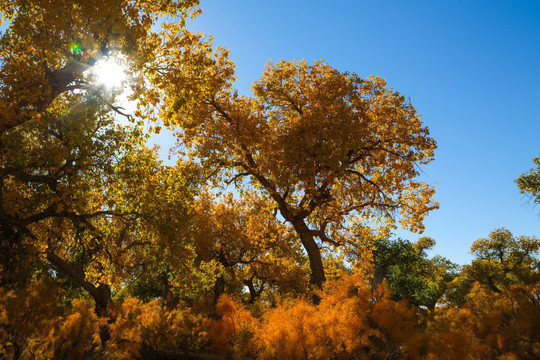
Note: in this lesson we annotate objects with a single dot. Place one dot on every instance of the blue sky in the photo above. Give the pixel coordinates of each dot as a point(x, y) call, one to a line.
point(471, 68)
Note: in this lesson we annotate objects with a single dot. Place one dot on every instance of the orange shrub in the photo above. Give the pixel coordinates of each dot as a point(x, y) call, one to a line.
point(489, 325)
point(349, 323)
point(290, 332)
point(400, 334)
point(26, 317)
point(149, 329)
point(231, 330)
point(76, 335)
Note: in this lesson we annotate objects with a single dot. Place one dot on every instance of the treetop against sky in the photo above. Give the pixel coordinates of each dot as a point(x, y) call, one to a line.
point(468, 68)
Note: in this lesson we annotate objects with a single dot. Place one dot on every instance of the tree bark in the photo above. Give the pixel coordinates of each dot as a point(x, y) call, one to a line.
point(380, 273)
point(253, 293)
point(314, 253)
point(298, 222)
point(101, 293)
point(219, 288)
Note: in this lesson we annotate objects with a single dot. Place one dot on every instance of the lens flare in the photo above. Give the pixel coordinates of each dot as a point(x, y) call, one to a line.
point(109, 73)
point(75, 48)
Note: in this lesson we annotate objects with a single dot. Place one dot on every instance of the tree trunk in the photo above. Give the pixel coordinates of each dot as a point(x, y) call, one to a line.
point(102, 297)
point(170, 299)
point(101, 293)
point(219, 288)
point(313, 251)
point(17, 351)
point(15, 258)
point(299, 224)
point(381, 272)
point(253, 294)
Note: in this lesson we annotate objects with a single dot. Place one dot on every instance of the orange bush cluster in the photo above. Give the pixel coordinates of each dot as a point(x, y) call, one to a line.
point(352, 321)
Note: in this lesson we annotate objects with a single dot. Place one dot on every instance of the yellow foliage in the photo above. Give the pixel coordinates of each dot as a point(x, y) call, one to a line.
point(249, 242)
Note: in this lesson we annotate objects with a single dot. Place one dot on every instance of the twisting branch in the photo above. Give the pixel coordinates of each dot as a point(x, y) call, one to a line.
point(117, 109)
point(321, 234)
point(371, 182)
point(236, 177)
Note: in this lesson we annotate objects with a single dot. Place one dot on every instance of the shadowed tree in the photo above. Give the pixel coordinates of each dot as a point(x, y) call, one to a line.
point(410, 273)
point(501, 261)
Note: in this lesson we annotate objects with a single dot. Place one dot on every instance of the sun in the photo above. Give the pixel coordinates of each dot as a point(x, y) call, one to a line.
point(109, 73)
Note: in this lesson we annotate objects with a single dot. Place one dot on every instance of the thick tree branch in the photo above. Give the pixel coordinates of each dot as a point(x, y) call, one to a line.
point(18, 173)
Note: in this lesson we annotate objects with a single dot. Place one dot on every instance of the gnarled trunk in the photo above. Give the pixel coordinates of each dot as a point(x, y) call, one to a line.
point(219, 288)
point(101, 293)
point(313, 251)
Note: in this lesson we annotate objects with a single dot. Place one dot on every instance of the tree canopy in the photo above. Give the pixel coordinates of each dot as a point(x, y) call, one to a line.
point(328, 148)
point(410, 273)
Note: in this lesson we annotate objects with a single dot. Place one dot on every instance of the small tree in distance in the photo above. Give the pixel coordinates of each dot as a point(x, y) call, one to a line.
point(529, 183)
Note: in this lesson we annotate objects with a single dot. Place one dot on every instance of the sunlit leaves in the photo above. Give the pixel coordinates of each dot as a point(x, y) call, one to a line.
point(49, 46)
point(326, 147)
point(254, 249)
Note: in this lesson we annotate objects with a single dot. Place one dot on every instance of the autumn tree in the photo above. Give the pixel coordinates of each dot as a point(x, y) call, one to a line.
point(326, 147)
point(488, 325)
point(82, 199)
point(49, 47)
point(501, 260)
point(86, 204)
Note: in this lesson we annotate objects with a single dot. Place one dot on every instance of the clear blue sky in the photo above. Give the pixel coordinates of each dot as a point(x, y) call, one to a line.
point(471, 68)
